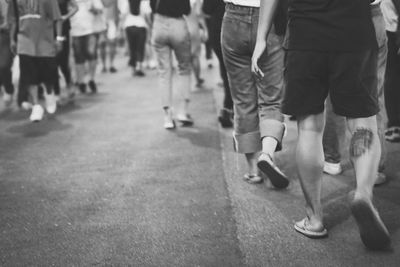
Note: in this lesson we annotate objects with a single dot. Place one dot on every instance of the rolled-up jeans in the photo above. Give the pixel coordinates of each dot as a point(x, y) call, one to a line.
point(257, 102)
point(172, 35)
point(335, 125)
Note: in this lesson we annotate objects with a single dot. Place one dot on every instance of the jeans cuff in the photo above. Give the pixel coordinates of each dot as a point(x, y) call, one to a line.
point(247, 143)
point(274, 129)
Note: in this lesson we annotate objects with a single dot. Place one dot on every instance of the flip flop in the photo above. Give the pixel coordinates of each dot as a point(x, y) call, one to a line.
point(275, 175)
point(373, 231)
point(252, 178)
point(302, 228)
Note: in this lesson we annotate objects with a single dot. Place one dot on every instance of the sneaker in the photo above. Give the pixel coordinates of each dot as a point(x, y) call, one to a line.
point(82, 88)
point(139, 73)
point(169, 123)
point(200, 82)
point(332, 168)
point(185, 120)
point(275, 175)
point(26, 105)
point(381, 179)
point(7, 98)
point(92, 86)
point(51, 103)
point(392, 134)
point(37, 113)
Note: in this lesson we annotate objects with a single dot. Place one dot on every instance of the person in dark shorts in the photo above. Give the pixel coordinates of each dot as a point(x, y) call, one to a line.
point(331, 48)
point(37, 52)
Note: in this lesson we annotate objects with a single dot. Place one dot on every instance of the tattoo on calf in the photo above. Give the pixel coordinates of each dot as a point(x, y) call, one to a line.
point(361, 141)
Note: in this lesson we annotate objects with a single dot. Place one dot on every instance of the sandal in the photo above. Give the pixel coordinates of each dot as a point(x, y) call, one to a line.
point(303, 228)
point(252, 178)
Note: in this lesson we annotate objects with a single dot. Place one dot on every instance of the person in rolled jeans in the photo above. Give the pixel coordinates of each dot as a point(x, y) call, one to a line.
point(171, 34)
point(6, 56)
point(258, 121)
point(335, 125)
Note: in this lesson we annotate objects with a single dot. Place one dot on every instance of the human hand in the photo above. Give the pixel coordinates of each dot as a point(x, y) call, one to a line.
point(59, 46)
point(13, 47)
point(257, 53)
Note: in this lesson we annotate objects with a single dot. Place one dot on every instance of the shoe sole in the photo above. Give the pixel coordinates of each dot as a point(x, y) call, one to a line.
point(373, 232)
point(277, 179)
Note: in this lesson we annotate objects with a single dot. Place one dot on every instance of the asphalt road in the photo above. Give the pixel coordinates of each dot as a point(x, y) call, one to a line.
point(103, 184)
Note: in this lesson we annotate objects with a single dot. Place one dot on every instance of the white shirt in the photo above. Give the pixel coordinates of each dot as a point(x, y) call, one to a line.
point(390, 15)
point(250, 3)
point(134, 20)
point(85, 22)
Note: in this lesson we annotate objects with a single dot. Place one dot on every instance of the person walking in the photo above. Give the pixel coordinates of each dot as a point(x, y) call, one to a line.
point(391, 11)
point(215, 9)
point(135, 25)
point(335, 125)
point(170, 34)
point(68, 8)
point(331, 49)
point(86, 26)
point(108, 39)
point(258, 121)
point(37, 52)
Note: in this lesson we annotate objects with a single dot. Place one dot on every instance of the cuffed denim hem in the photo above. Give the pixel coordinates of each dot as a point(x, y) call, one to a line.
point(273, 128)
point(247, 143)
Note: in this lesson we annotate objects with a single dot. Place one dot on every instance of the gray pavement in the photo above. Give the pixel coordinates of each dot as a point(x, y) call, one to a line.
point(103, 184)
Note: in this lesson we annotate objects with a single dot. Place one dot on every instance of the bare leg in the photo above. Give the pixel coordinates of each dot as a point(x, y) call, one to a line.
point(112, 45)
point(310, 159)
point(365, 152)
point(33, 91)
point(103, 54)
point(80, 73)
point(92, 69)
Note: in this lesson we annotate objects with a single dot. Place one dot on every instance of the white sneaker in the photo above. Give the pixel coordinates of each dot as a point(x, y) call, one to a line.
point(332, 168)
point(37, 113)
point(7, 98)
point(26, 105)
point(381, 179)
point(51, 103)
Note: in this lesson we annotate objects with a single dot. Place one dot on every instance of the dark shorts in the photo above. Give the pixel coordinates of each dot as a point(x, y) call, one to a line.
point(38, 70)
point(85, 47)
point(349, 78)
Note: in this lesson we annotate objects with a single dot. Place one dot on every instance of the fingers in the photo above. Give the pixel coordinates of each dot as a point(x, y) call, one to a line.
point(256, 70)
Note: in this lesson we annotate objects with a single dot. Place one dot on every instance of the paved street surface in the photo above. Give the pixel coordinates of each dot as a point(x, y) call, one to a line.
point(101, 183)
